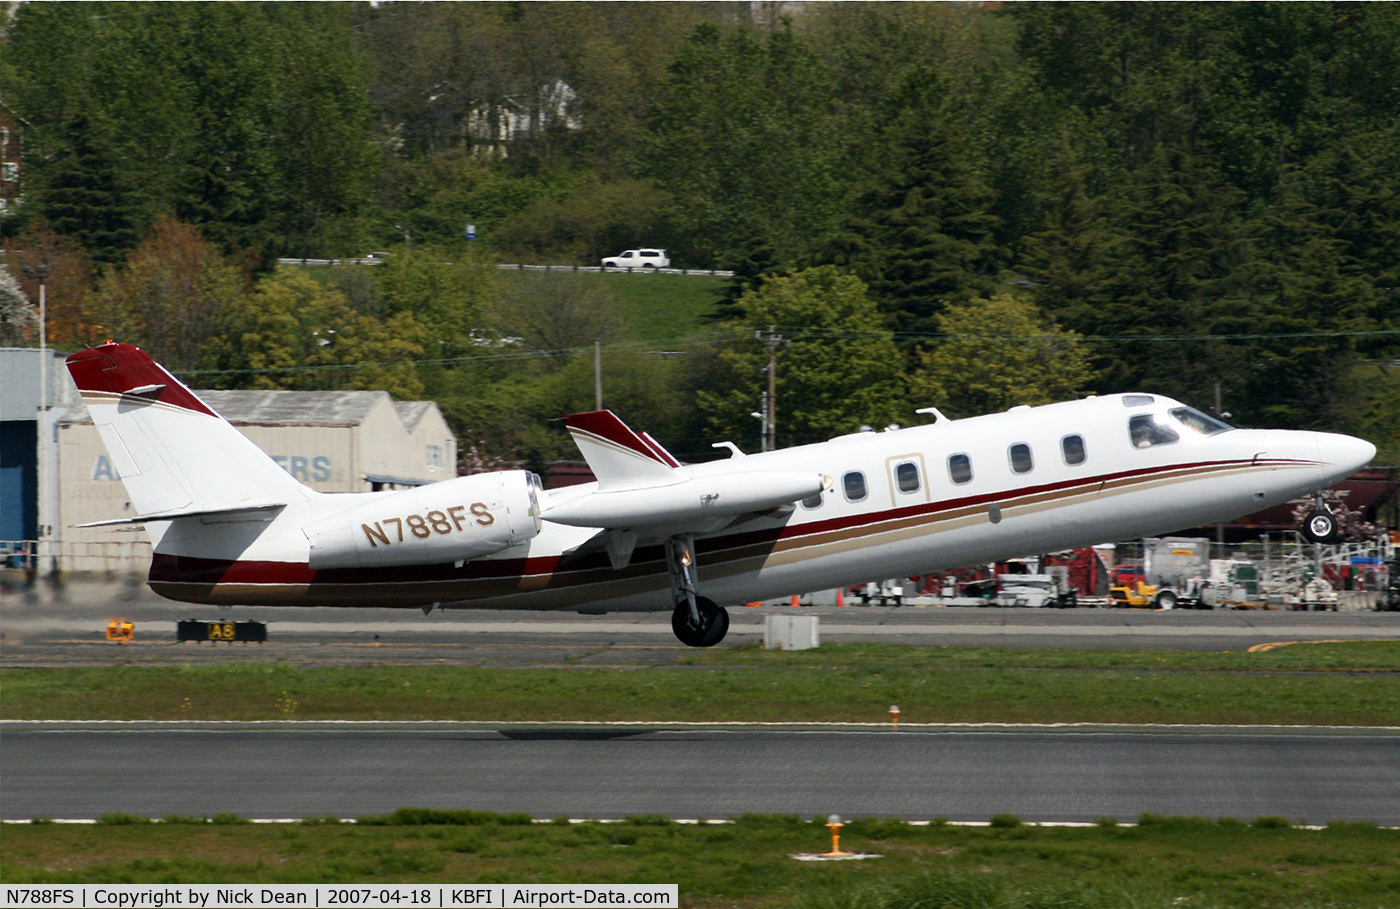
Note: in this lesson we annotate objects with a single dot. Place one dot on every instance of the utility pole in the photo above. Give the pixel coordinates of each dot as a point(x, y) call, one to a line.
point(597, 374)
point(41, 467)
point(773, 340)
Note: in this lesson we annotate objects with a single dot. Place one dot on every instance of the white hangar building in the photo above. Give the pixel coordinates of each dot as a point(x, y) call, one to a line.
point(333, 441)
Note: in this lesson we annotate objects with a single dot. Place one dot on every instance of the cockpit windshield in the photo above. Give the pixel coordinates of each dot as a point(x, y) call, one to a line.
point(1202, 423)
point(1146, 432)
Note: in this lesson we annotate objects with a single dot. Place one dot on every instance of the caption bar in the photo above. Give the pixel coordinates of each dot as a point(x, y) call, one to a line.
point(398, 896)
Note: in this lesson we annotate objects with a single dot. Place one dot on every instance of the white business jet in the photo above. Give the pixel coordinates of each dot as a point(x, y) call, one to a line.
point(229, 526)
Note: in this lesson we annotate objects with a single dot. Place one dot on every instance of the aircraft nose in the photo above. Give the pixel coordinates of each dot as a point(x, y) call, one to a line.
point(1347, 452)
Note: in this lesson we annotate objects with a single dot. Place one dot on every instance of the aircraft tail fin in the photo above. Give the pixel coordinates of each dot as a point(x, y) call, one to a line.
point(615, 453)
point(174, 454)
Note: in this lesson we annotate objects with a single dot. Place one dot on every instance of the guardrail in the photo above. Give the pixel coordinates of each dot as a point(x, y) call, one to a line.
point(715, 272)
point(712, 272)
point(108, 557)
point(19, 554)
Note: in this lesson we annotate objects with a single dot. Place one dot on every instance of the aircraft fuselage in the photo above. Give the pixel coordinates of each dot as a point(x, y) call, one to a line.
point(902, 502)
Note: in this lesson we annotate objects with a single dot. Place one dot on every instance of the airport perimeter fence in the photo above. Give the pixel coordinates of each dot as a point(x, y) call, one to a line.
point(1359, 573)
point(96, 560)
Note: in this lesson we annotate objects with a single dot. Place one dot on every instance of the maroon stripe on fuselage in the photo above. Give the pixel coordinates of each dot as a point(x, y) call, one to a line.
point(554, 571)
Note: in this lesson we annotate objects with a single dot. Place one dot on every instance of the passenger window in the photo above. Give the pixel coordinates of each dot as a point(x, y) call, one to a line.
point(854, 485)
point(1146, 432)
point(1072, 447)
point(1020, 455)
point(906, 476)
point(813, 501)
point(960, 468)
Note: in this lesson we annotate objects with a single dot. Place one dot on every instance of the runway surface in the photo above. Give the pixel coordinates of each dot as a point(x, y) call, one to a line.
point(75, 770)
point(84, 770)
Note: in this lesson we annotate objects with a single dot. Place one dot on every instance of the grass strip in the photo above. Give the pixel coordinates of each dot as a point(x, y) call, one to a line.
point(1335, 684)
point(652, 307)
point(1162, 862)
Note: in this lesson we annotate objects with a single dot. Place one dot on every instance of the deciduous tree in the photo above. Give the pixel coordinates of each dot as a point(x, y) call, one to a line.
point(995, 353)
point(171, 295)
point(837, 368)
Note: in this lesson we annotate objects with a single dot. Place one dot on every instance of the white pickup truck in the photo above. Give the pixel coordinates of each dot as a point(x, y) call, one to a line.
point(638, 258)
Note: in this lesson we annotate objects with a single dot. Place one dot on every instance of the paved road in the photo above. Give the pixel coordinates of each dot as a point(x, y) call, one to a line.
point(86, 770)
point(65, 627)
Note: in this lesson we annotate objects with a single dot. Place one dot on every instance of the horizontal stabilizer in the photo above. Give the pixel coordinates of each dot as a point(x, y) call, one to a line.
point(230, 511)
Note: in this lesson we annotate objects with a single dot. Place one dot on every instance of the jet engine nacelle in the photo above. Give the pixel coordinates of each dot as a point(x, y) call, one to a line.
point(689, 499)
point(451, 521)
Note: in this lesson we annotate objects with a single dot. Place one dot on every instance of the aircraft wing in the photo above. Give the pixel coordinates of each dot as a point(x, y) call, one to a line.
point(645, 493)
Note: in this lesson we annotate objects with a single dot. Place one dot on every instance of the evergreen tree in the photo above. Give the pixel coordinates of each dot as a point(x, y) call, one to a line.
point(1073, 261)
point(1334, 215)
point(922, 233)
point(250, 121)
point(1183, 269)
point(83, 194)
point(742, 137)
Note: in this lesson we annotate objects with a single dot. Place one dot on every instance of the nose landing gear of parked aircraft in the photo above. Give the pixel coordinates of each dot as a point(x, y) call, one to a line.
point(697, 621)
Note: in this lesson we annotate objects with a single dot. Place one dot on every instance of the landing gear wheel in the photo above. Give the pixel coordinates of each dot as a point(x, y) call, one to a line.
point(1320, 526)
point(1166, 599)
point(714, 623)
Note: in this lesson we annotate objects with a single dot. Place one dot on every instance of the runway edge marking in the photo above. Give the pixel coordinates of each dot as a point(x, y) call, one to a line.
point(685, 724)
point(620, 820)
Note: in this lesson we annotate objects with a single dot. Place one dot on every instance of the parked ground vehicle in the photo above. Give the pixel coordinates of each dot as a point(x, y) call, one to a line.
point(889, 593)
point(1126, 575)
point(1037, 590)
point(638, 258)
point(1141, 594)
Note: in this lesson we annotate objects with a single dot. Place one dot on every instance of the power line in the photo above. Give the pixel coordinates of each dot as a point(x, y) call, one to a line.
point(794, 333)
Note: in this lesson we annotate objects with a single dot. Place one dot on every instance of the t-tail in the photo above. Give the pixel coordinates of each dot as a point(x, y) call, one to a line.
point(228, 525)
point(176, 457)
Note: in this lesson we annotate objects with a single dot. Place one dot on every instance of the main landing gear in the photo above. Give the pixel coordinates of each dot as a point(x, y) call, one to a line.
point(1320, 525)
point(697, 621)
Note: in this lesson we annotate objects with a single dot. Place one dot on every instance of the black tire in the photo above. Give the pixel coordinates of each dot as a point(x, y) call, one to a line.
point(714, 623)
point(1166, 599)
point(718, 628)
point(1320, 526)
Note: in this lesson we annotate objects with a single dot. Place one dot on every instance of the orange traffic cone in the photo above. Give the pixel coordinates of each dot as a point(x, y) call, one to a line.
point(794, 600)
point(840, 596)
